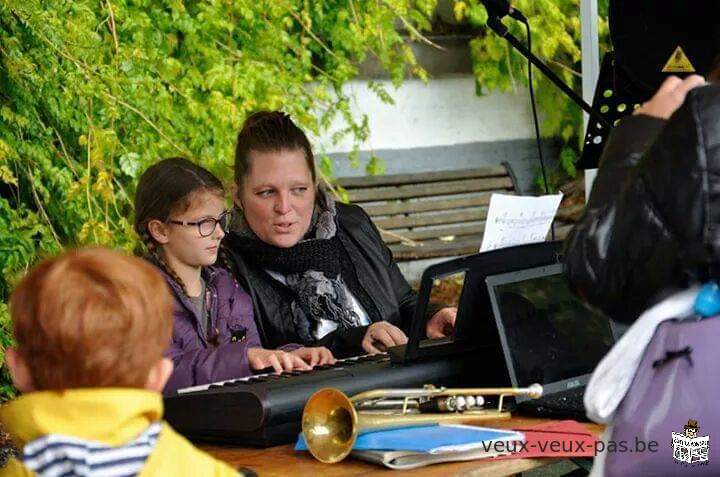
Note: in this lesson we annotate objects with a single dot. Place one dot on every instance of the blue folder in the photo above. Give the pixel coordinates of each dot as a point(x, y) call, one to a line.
point(425, 438)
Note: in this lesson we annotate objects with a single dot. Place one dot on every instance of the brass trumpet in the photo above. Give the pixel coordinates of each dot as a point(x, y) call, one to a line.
point(331, 421)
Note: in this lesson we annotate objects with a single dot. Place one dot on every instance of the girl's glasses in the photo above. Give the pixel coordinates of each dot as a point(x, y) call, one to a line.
point(206, 227)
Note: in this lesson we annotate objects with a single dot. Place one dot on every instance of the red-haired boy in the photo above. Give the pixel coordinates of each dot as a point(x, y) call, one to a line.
point(91, 329)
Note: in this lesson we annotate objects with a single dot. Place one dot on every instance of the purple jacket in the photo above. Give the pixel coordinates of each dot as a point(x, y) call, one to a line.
point(198, 360)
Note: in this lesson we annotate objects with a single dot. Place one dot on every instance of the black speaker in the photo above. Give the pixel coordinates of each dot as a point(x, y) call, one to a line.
point(651, 40)
point(655, 38)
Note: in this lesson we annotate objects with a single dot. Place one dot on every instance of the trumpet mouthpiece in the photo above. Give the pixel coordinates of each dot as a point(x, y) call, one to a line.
point(535, 390)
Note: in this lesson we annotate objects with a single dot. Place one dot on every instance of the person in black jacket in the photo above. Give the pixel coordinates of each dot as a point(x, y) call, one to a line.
point(318, 270)
point(651, 223)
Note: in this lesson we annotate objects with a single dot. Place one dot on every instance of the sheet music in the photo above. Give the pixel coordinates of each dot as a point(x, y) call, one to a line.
point(518, 220)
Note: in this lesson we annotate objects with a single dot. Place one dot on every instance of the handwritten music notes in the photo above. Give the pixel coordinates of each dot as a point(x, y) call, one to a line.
point(518, 220)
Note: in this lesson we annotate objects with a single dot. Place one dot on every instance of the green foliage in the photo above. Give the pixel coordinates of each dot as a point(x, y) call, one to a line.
point(555, 26)
point(92, 92)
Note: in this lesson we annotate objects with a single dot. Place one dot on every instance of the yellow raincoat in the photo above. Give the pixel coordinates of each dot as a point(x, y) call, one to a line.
point(112, 416)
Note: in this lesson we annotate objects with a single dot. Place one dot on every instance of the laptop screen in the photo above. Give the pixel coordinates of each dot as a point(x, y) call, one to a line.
point(548, 336)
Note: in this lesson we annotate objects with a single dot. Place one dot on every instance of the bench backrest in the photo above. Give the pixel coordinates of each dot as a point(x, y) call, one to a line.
point(442, 212)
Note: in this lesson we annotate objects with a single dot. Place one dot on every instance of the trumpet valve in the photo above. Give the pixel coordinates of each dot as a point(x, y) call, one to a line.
point(452, 404)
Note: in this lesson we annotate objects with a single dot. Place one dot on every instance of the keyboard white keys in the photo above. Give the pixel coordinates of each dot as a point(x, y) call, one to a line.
point(338, 365)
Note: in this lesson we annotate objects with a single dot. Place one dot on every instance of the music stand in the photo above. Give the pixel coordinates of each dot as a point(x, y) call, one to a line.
point(474, 325)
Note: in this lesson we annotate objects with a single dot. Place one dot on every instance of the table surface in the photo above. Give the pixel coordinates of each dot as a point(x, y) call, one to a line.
point(283, 460)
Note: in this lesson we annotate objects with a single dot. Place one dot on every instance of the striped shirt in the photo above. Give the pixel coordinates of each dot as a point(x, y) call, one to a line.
point(55, 455)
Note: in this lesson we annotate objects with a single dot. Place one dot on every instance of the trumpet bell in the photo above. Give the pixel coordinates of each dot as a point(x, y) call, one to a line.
point(331, 422)
point(329, 425)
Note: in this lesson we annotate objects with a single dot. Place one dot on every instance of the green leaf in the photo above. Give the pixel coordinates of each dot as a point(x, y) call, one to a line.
point(375, 166)
point(326, 166)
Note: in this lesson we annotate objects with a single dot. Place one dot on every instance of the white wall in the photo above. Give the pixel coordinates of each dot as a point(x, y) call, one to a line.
point(445, 111)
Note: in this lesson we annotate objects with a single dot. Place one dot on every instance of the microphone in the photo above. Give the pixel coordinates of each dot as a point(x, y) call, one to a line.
point(498, 9)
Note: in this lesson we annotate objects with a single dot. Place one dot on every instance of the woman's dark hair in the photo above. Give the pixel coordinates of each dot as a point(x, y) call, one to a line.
point(167, 188)
point(269, 131)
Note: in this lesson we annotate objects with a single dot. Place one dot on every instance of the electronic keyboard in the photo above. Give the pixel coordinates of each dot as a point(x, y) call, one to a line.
point(265, 409)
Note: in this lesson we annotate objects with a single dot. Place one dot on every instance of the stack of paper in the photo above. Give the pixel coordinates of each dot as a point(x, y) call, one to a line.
point(518, 220)
point(408, 448)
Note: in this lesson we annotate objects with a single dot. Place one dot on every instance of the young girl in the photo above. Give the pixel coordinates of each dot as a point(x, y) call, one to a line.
point(180, 216)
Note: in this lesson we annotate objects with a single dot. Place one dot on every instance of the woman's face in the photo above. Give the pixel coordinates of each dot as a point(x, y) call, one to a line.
point(277, 196)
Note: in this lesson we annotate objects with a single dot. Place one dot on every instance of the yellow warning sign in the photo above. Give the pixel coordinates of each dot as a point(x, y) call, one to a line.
point(678, 63)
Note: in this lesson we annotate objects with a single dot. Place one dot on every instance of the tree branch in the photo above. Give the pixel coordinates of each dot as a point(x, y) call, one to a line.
point(40, 207)
point(111, 26)
point(311, 33)
point(132, 108)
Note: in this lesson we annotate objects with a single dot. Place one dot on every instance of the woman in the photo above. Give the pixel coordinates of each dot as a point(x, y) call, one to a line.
point(317, 270)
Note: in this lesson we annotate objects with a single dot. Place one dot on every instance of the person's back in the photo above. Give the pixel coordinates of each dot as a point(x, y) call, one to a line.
point(650, 225)
point(91, 329)
point(647, 252)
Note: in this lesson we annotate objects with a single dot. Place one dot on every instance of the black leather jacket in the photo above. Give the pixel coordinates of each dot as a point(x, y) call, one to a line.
point(376, 272)
point(652, 223)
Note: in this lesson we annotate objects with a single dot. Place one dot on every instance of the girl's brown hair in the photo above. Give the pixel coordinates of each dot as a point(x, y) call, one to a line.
point(269, 131)
point(167, 187)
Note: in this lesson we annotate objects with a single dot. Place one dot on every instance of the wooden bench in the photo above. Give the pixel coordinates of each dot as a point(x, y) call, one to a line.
point(432, 214)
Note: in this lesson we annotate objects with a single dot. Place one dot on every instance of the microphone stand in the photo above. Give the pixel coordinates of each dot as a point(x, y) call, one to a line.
point(498, 27)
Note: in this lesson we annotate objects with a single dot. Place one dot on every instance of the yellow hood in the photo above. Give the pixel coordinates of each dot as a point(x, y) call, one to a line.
point(109, 415)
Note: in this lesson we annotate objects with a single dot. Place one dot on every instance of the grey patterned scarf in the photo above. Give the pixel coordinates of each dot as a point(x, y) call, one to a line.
point(311, 267)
